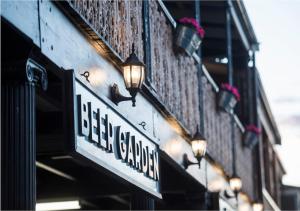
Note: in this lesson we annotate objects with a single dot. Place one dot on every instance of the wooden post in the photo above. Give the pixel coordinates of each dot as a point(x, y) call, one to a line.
point(18, 151)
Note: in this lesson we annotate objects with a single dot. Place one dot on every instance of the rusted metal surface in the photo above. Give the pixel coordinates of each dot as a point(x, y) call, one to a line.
point(174, 75)
point(118, 22)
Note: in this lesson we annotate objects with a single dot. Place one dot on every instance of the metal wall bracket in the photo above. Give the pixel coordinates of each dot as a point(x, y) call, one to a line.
point(117, 97)
point(229, 196)
point(186, 162)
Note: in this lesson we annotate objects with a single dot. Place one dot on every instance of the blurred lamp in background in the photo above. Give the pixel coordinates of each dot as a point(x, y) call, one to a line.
point(258, 206)
point(134, 76)
point(198, 147)
point(235, 183)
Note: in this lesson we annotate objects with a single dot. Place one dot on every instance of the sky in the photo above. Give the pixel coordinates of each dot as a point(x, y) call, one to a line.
point(277, 26)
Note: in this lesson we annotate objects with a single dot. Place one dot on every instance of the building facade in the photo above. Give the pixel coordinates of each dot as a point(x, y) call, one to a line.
point(65, 139)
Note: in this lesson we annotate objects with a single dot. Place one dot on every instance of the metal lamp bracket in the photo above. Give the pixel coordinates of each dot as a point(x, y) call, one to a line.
point(229, 196)
point(117, 97)
point(186, 162)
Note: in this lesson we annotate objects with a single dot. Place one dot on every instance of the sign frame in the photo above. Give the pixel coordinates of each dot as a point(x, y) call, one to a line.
point(71, 128)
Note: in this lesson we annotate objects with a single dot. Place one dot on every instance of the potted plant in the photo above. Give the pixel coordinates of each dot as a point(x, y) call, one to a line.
point(189, 35)
point(251, 136)
point(228, 97)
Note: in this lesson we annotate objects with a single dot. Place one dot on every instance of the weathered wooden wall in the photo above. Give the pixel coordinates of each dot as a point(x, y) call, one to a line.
point(119, 23)
point(244, 163)
point(217, 128)
point(174, 76)
point(218, 131)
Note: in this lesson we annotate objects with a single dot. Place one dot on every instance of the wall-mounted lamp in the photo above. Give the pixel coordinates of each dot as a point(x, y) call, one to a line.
point(134, 76)
point(199, 149)
point(235, 183)
point(257, 206)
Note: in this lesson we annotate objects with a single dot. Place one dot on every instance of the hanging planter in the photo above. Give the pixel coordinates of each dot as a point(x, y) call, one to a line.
point(251, 136)
point(228, 97)
point(189, 35)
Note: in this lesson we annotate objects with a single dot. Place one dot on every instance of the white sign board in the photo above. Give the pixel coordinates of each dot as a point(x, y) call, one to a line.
point(105, 137)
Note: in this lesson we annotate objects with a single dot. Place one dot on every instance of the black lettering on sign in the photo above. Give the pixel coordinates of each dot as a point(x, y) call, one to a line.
point(94, 123)
point(110, 138)
point(130, 152)
point(145, 161)
point(117, 132)
point(96, 126)
point(150, 165)
point(83, 117)
point(138, 157)
point(104, 131)
point(121, 140)
point(155, 165)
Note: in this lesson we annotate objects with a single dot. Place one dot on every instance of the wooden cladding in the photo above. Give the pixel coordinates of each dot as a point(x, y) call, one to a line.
point(118, 22)
point(174, 75)
point(244, 163)
point(217, 128)
point(218, 132)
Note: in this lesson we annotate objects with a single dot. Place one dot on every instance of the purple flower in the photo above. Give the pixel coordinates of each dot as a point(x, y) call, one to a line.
point(253, 128)
point(232, 89)
point(194, 23)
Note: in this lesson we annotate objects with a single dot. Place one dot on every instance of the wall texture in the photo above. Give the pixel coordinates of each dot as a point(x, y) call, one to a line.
point(244, 164)
point(174, 75)
point(217, 128)
point(118, 22)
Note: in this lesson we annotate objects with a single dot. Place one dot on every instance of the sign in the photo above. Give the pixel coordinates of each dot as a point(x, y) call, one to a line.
point(107, 138)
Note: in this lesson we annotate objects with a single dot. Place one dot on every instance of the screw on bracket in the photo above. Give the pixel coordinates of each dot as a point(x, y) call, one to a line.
point(143, 124)
point(86, 74)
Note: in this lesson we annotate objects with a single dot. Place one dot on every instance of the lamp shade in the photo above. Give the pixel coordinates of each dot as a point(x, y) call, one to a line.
point(257, 206)
point(199, 145)
point(133, 73)
point(235, 183)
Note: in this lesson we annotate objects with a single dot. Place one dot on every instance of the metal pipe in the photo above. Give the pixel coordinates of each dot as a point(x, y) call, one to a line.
point(230, 76)
point(258, 124)
point(147, 42)
point(229, 43)
point(200, 72)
